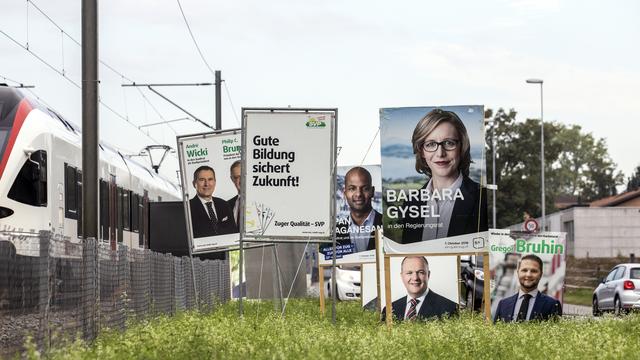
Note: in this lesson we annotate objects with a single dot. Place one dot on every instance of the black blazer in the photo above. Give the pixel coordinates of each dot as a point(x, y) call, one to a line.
point(200, 219)
point(343, 236)
point(544, 308)
point(232, 203)
point(464, 217)
point(434, 306)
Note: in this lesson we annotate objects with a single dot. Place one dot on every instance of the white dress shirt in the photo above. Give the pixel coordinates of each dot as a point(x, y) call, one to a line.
point(438, 227)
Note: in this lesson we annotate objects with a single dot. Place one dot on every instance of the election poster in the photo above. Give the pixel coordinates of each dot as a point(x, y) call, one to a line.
point(433, 172)
point(290, 164)
point(210, 172)
point(358, 215)
point(430, 281)
point(524, 262)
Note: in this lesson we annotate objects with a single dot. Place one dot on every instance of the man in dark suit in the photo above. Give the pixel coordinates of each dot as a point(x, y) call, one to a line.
point(235, 172)
point(210, 215)
point(529, 303)
point(421, 303)
point(359, 229)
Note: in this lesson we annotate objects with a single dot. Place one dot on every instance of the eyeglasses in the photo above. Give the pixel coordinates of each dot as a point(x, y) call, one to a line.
point(447, 144)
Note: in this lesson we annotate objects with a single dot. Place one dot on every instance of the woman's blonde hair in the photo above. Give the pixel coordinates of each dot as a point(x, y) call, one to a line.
point(426, 125)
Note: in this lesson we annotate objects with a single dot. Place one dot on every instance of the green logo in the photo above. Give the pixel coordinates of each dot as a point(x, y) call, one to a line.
point(522, 246)
point(316, 123)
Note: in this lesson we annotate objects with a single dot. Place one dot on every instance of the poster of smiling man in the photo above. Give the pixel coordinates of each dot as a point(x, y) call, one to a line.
point(210, 169)
point(528, 271)
point(432, 168)
point(358, 215)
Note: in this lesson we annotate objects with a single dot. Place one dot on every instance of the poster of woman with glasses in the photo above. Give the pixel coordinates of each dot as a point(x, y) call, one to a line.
point(432, 170)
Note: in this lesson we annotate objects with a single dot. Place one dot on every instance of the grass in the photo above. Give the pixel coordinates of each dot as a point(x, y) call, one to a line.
point(578, 296)
point(304, 334)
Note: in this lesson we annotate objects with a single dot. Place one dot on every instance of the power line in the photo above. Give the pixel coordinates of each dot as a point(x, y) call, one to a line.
point(41, 59)
point(233, 108)
point(370, 144)
point(194, 39)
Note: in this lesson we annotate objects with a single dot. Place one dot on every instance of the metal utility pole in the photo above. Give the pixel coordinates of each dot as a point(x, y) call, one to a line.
point(544, 220)
point(218, 101)
point(90, 119)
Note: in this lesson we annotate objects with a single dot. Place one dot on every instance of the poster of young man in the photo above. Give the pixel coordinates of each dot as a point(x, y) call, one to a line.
point(528, 274)
point(432, 171)
point(289, 187)
point(208, 163)
point(358, 215)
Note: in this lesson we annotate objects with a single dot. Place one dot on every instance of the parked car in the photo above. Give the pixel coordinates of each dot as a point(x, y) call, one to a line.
point(347, 282)
point(472, 274)
point(619, 291)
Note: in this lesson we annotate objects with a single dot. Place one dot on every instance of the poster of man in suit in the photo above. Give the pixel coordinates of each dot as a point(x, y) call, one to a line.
point(423, 288)
point(528, 270)
point(358, 215)
point(205, 162)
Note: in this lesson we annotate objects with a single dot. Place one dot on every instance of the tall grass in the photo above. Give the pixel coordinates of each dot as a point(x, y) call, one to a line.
point(304, 334)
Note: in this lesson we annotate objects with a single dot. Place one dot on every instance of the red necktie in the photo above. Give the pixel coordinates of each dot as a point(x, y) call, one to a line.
point(411, 314)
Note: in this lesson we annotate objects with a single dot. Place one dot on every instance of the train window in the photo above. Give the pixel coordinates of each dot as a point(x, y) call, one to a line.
point(104, 209)
point(144, 223)
point(119, 211)
point(135, 213)
point(79, 197)
point(30, 186)
point(70, 198)
point(126, 210)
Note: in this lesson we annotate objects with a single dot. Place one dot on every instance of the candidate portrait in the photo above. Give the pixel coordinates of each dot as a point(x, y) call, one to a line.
point(420, 302)
point(210, 216)
point(529, 303)
point(456, 204)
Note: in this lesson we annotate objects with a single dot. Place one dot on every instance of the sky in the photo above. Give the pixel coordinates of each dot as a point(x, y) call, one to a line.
point(357, 56)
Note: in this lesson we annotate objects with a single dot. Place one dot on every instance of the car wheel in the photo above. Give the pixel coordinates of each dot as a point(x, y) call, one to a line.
point(617, 306)
point(595, 308)
point(469, 300)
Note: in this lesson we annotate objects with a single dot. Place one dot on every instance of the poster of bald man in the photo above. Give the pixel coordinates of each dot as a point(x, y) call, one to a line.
point(423, 287)
point(358, 215)
point(208, 163)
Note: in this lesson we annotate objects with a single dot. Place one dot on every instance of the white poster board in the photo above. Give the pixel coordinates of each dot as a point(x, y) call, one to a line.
point(289, 158)
point(218, 151)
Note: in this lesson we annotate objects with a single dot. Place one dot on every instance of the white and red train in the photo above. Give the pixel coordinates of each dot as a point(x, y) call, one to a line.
point(41, 179)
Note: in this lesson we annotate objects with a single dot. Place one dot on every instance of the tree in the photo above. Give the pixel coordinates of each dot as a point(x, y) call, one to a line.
point(575, 164)
point(633, 181)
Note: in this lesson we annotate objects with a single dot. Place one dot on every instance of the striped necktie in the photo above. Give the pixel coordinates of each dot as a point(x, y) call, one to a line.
point(412, 314)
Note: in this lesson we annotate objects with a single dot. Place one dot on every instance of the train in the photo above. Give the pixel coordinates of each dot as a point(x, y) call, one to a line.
point(41, 180)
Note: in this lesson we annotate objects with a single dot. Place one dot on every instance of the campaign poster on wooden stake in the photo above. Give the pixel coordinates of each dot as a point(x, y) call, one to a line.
point(433, 172)
point(210, 168)
point(289, 172)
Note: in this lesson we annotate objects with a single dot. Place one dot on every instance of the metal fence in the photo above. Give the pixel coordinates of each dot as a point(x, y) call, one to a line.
point(53, 290)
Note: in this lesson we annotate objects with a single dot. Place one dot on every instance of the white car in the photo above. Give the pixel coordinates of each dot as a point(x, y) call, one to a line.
point(619, 291)
point(347, 282)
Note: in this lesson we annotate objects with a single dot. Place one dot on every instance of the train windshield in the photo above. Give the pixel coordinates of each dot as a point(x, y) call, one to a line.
point(9, 101)
point(3, 138)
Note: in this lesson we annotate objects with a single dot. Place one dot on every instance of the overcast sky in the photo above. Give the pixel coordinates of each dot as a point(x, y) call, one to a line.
point(357, 56)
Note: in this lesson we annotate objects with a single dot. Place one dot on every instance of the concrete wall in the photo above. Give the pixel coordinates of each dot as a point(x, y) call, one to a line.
point(289, 256)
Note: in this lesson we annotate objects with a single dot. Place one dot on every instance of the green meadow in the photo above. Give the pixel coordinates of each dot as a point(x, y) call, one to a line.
point(304, 334)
